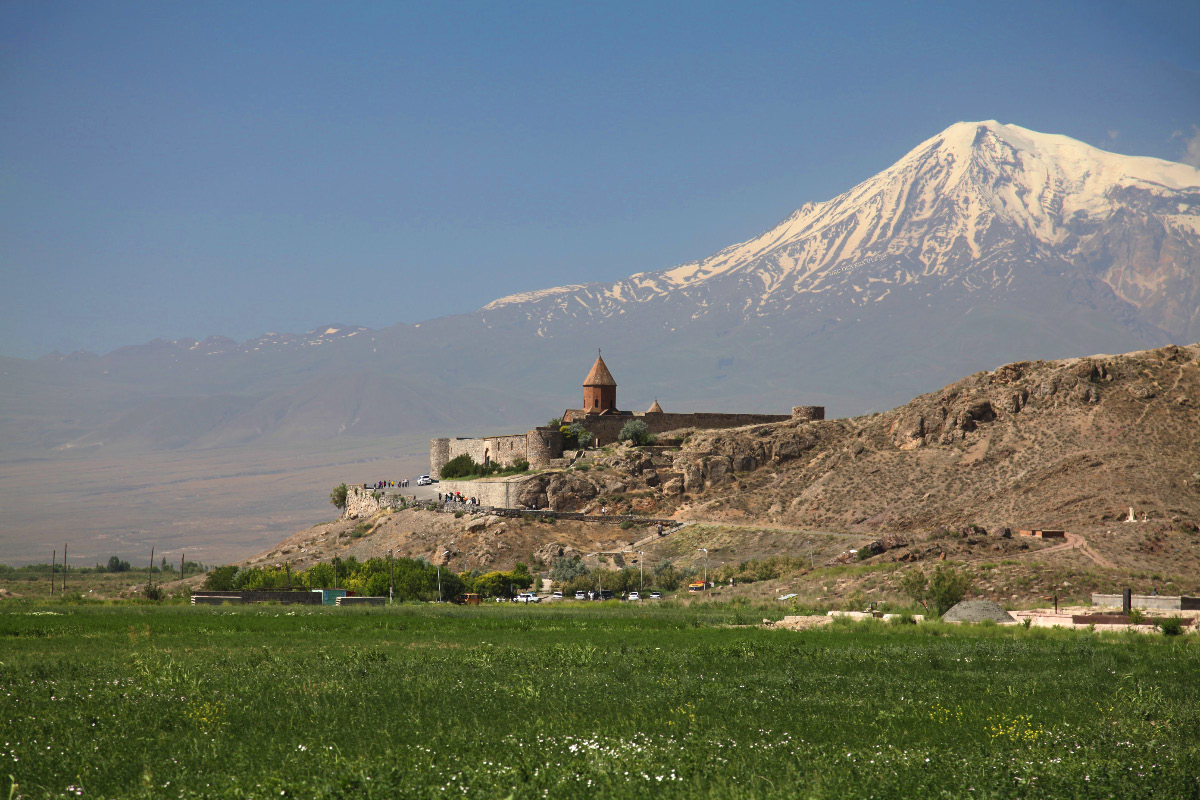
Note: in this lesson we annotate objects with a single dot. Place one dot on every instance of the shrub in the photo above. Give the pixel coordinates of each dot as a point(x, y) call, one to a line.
point(338, 496)
point(1171, 626)
point(566, 569)
point(1136, 616)
point(627, 524)
point(948, 587)
point(944, 590)
point(635, 431)
point(220, 579)
point(462, 466)
point(458, 515)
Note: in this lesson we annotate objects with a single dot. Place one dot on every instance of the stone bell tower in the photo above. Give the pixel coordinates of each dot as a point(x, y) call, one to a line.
point(599, 389)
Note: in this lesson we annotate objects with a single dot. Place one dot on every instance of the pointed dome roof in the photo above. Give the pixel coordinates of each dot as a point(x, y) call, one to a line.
point(599, 376)
point(656, 408)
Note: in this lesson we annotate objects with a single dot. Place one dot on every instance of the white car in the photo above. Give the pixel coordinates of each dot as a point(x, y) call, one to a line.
point(634, 596)
point(527, 597)
point(656, 595)
point(557, 596)
point(425, 480)
point(580, 596)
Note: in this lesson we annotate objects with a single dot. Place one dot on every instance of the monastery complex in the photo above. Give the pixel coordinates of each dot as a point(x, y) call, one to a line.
point(600, 416)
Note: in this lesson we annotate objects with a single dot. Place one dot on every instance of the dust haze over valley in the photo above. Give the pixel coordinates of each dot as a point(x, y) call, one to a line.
point(986, 244)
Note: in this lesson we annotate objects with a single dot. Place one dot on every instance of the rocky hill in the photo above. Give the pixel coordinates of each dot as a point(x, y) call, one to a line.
point(826, 509)
point(1055, 444)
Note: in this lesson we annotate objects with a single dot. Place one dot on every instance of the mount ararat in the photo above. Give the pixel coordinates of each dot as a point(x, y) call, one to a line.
point(985, 244)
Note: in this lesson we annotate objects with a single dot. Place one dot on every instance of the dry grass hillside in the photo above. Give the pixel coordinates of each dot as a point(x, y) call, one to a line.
point(1056, 444)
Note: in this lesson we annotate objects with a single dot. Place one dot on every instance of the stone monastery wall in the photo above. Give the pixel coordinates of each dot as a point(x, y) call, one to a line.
point(538, 447)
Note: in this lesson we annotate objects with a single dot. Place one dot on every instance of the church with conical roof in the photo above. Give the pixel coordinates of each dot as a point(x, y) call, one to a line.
point(599, 415)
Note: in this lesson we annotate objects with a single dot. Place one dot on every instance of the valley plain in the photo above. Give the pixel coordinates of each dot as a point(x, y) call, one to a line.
point(509, 701)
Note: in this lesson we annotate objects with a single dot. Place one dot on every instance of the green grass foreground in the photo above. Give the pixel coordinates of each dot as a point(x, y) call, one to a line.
point(574, 703)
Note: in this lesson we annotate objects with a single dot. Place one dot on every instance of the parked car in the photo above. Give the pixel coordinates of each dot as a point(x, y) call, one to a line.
point(656, 595)
point(425, 480)
point(581, 595)
point(527, 597)
point(557, 595)
point(634, 596)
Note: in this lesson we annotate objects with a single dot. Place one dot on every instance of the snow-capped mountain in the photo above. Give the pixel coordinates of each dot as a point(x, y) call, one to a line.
point(980, 209)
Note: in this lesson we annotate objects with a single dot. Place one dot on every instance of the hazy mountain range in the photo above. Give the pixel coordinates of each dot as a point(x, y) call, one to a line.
point(985, 244)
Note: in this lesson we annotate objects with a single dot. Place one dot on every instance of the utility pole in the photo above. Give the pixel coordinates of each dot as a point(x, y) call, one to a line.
point(705, 551)
point(439, 571)
point(150, 581)
point(391, 578)
point(53, 558)
point(64, 569)
point(181, 566)
point(641, 570)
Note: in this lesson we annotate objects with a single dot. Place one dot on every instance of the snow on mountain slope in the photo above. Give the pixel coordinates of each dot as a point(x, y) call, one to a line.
point(970, 207)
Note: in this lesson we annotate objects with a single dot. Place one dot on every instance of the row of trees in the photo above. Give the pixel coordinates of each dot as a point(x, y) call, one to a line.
point(572, 575)
point(414, 579)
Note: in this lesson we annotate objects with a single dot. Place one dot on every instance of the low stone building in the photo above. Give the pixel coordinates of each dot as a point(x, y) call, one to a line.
point(600, 417)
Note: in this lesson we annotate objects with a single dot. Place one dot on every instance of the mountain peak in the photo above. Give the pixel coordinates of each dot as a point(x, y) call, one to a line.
point(974, 209)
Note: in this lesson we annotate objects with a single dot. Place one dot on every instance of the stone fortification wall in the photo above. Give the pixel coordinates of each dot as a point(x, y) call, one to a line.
point(362, 502)
point(493, 492)
point(439, 454)
point(607, 428)
point(808, 413)
point(543, 445)
point(539, 446)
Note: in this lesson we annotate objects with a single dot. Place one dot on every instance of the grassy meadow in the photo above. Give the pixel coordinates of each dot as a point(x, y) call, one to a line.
point(575, 702)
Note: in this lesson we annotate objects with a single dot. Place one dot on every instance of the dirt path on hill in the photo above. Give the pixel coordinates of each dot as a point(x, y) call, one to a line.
point(1074, 542)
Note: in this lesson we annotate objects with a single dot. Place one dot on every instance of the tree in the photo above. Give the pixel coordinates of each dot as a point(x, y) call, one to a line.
point(461, 466)
point(636, 431)
point(944, 590)
point(338, 496)
point(566, 569)
point(576, 436)
point(220, 579)
point(948, 587)
point(115, 564)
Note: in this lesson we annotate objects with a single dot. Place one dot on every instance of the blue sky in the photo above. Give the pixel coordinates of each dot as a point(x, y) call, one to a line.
point(173, 169)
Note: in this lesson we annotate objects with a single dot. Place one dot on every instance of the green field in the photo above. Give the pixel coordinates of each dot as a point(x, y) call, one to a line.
point(607, 701)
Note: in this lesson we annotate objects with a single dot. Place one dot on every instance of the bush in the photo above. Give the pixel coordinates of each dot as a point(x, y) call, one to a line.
point(944, 590)
point(1171, 626)
point(220, 579)
point(948, 587)
point(575, 436)
point(338, 496)
point(635, 431)
point(462, 466)
point(115, 564)
point(627, 524)
point(566, 569)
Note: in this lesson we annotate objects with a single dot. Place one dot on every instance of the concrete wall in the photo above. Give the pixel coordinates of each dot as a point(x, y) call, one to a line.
point(1159, 602)
point(301, 597)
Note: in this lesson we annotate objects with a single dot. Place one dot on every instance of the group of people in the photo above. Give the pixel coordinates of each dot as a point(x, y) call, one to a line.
point(457, 497)
point(401, 484)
